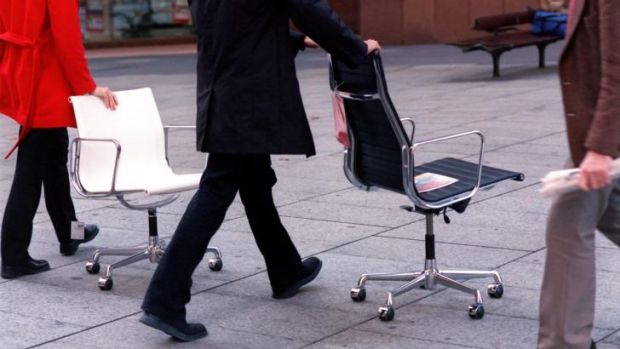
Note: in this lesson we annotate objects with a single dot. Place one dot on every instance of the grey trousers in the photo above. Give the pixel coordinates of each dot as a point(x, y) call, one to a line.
point(569, 281)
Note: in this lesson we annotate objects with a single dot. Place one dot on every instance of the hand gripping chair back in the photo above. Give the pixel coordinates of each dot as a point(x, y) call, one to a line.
point(124, 152)
point(382, 155)
point(135, 126)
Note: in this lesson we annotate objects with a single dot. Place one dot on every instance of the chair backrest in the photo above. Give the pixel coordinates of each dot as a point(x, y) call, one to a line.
point(135, 126)
point(377, 135)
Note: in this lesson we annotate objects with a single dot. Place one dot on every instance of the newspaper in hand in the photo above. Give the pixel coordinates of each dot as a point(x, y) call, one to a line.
point(564, 181)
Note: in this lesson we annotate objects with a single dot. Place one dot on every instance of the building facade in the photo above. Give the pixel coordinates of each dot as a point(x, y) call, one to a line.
point(422, 21)
point(389, 21)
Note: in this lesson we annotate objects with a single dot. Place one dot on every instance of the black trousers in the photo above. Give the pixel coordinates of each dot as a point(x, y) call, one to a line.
point(225, 175)
point(41, 160)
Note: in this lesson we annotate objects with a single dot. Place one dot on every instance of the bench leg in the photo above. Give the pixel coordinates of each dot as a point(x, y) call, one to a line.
point(541, 55)
point(496, 56)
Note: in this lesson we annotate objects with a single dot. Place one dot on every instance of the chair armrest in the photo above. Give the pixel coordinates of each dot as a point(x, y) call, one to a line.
point(412, 123)
point(449, 201)
point(167, 129)
point(74, 167)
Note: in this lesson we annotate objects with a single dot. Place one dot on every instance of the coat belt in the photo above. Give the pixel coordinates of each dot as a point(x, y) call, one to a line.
point(27, 43)
point(16, 39)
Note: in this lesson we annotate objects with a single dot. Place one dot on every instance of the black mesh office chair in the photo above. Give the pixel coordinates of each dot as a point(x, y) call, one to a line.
point(382, 155)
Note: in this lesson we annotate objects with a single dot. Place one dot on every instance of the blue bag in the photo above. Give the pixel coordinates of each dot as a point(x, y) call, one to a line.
point(549, 23)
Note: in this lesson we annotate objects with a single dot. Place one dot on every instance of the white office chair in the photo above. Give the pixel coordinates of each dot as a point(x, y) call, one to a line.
point(124, 152)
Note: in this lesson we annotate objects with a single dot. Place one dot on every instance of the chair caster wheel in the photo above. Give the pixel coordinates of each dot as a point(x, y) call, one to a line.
point(215, 264)
point(386, 313)
point(92, 268)
point(358, 294)
point(105, 283)
point(495, 290)
point(476, 311)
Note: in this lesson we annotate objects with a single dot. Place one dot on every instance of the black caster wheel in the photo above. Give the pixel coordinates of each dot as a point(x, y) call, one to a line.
point(476, 311)
point(386, 313)
point(358, 294)
point(215, 264)
point(93, 268)
point(495, 290)
point(105, 283)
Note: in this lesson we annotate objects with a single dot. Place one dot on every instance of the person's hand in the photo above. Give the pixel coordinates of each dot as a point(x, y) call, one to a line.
point(595, 169)
point(373, 45)
point(309, 43)
point(107, 96)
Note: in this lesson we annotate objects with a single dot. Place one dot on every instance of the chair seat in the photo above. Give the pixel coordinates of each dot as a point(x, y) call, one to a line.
point(173, 183)
point(164, 182)
point(467, 174)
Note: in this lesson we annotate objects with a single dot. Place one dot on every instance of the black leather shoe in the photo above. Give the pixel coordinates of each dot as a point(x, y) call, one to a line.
point(312, 267)
point(70, 248)
point(32, 266)
point(179, 330)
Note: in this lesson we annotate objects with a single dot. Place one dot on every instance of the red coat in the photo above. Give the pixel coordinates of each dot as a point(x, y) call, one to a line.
point(42, 62)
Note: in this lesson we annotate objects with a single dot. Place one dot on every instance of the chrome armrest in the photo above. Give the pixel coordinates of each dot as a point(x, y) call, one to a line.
point(167, 129)
point(74, 167)
point(412, 191)
point(412, 123)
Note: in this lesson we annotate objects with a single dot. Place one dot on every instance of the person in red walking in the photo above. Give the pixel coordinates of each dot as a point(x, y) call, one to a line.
point(42, 63)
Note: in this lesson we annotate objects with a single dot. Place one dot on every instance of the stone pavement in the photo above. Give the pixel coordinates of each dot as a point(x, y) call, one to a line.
point(351, 230)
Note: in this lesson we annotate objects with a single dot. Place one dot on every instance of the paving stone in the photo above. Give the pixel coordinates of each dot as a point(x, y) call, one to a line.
point(356, 339)
point(455, 327)
point(21, 331)
point(448, 255)
point(128, 333)
point(68, 306)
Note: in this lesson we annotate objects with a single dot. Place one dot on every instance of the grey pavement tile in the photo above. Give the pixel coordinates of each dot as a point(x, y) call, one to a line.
point(128, 333)
point(125, 219)
point(310, 235)
point(449, 256)
point(322, 167)
point(357, 339)
point(375, 198)
point(610, 342)
point(64, 305)
point(291, 190)
point(21, 331)
point(331, 289)
point(607, 256)
point(425, 322)
point(523, 302)
point(130, 281)
point(348, 213)
point(268, 317)
point(483, 225)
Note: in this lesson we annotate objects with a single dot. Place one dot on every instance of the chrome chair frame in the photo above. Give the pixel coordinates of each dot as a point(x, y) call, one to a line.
point(430, 275)
point(155, 247)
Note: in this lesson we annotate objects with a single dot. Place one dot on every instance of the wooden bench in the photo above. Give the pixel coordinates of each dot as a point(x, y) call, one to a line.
point(507, 36)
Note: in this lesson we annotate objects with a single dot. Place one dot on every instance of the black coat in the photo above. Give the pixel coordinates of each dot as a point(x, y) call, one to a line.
point(248, 94)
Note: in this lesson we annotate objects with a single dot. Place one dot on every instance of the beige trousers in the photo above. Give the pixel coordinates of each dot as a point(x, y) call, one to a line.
point(569, 281)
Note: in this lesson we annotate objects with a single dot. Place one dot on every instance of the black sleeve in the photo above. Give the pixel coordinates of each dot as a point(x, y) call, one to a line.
point(297, 42)
point(317, 20)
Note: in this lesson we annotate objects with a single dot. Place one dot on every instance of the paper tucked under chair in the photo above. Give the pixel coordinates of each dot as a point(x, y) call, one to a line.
point(124, 152)
point(564, 181)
